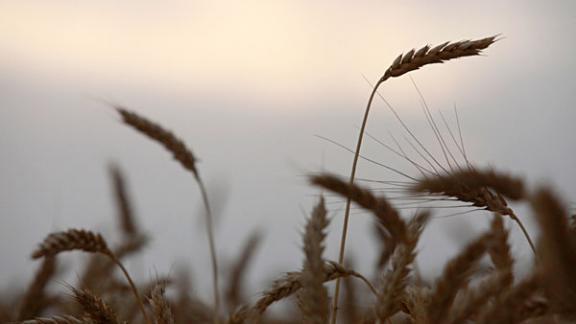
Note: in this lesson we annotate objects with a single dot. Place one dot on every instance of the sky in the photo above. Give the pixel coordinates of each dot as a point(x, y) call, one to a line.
point(248, 85)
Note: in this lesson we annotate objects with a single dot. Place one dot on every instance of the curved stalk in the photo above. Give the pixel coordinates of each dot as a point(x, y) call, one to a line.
point(132, 286)
point(212, 245)
point(524, 231)
point(348, 201)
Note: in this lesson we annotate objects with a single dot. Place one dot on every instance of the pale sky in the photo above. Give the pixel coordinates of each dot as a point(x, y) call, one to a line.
point(247, 84)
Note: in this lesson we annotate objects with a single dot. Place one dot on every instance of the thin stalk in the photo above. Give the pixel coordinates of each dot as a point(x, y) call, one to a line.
point(348, 201)
point(517, 220)
point(212, 245)
point(132, 286)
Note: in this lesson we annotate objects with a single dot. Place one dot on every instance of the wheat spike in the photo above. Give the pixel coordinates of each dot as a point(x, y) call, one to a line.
point(313, 298)
point(482, 188)
point(160, 306)
point(413, 60)
point(385, 213)
point(162, 136)
point(71, 240)
point(395, 280)
point(94, 307)
point(126, 217)
point(290, 283)
point(557, 252)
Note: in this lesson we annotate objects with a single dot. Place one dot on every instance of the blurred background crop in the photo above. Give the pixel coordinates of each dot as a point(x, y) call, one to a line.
point(247, 85)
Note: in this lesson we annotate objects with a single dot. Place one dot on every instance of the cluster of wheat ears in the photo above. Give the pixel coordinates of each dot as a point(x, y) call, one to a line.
point(463, 293)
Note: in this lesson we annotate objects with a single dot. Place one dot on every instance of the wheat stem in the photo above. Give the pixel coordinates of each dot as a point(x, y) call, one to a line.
point(403, 64)
point(132, 287)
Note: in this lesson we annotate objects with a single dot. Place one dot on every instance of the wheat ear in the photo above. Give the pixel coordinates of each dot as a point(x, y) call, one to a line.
point(185, 157)
point(313, 297)
point(161, 307)
point(403, 64)
point(395, 280)
point(94, 307)
point(482, 188)
point(83, 240)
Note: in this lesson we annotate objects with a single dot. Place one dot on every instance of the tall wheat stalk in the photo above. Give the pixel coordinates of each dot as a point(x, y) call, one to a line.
point(184, 156)
point(403, 64)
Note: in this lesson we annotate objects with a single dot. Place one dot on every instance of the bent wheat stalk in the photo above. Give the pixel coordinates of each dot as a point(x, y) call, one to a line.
point(403, 64)
point(83, 240)
point(185, 157)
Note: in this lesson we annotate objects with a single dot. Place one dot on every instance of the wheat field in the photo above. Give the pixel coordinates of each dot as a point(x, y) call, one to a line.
point(464, 292)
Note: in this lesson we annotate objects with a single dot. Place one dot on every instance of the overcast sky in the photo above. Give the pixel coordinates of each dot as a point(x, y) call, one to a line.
point(247, 85)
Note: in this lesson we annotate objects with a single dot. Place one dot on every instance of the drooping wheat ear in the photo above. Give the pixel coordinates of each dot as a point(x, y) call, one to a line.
point(83, 240)
point(482, 188)
point(160, 306)
point(235, 290)
point(385, 213)
point(313, 297)
point(94, 307)
point(291, 282)
point(396, 279)
point(34, 301)
point(188, 161)
point(66, 319)
point(455, 275)
point(71, 240)
point(557, 252)
point(162, 136)
point(410, 61)
point(459, 182)
point(126, 217)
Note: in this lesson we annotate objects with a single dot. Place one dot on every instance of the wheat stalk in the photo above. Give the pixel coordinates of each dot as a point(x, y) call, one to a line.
point(83, 240)
point(403, 64)
point(188, 161)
